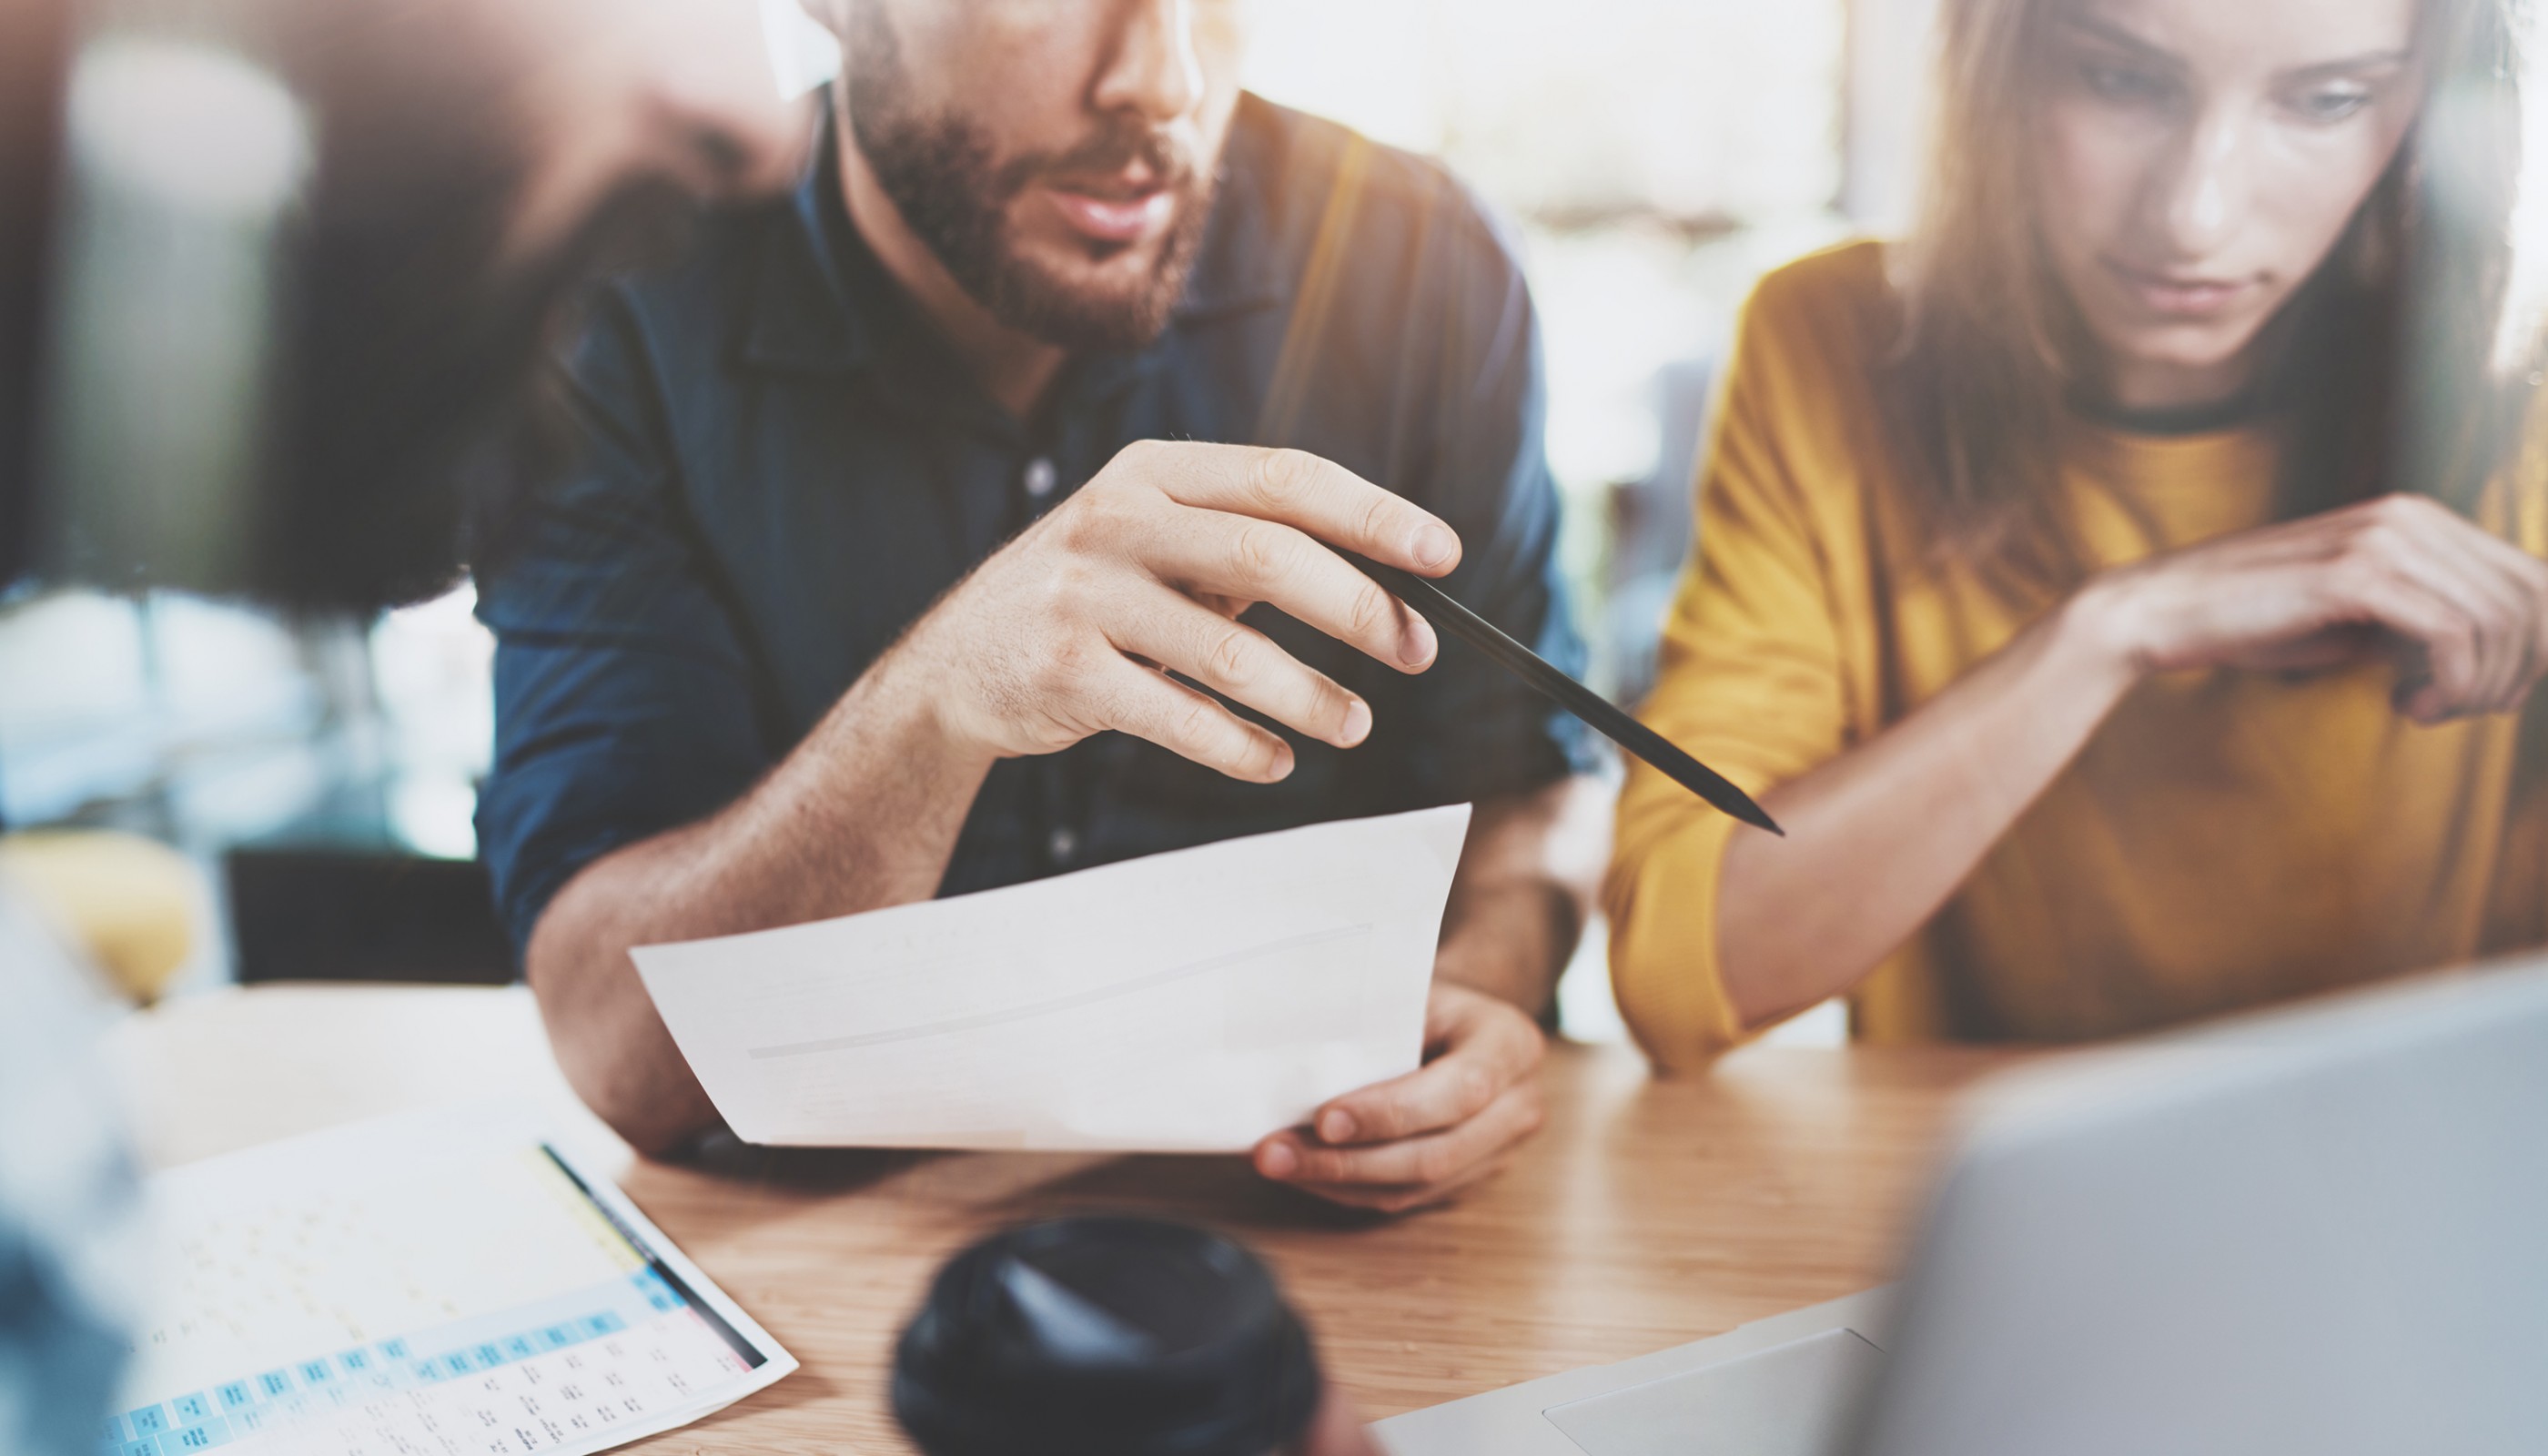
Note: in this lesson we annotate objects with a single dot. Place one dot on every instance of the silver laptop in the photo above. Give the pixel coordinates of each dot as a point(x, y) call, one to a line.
point(2321, 1231)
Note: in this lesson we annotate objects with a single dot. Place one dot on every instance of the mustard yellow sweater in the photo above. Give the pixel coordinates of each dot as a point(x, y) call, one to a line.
point(2225, 839)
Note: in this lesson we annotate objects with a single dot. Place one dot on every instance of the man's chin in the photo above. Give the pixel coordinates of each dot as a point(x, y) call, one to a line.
point(1092, 268)
point(1119, 304)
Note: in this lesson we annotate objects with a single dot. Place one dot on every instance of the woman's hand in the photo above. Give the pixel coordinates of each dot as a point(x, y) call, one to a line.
point(2464, 612)
point(1880, 837)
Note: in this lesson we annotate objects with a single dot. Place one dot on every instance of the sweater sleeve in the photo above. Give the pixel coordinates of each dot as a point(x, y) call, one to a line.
point(1751, 682)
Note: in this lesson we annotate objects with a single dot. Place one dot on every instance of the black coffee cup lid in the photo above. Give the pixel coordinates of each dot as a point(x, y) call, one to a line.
point(1105, 1336)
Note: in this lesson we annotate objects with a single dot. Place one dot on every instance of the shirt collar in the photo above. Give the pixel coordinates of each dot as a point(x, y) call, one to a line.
point(804, 311)
point(822, 301)
point(1236, 269)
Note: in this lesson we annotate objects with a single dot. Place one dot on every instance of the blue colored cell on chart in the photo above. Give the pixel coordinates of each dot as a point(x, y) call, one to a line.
point(394, 1349)
point(142, 1448)
point(355, 1362)
point(112, 1433)
point(519, 1347)
point(488, 1357)
point(193, 1409)
point(425, 1370)
point(558, 1337)
point(235, 1395)
point(605, 1322)
point(453, 1365)
point(150, 1420)
point(315, 1372)
point(275, 1383)
point(204, 1437)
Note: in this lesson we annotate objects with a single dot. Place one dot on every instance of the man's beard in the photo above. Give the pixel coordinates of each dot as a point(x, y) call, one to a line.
point(954, 192)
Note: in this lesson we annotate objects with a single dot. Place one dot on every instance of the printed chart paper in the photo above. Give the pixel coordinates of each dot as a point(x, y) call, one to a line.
point(1191, 1002)
point(442, 1284)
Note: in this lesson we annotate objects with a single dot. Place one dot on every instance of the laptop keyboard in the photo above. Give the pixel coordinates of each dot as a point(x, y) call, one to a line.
point(1789, 1399)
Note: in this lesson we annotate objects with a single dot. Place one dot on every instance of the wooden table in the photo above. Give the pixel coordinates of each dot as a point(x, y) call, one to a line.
point(1649, 1213)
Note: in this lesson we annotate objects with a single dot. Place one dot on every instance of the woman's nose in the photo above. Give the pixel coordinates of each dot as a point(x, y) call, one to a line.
point(2205, 191)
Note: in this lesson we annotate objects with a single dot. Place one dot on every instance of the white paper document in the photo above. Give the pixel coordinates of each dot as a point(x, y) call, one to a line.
point(445, 1283)
point(1191, 1002)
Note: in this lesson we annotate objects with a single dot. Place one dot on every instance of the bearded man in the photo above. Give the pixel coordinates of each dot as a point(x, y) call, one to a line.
point(971, 517)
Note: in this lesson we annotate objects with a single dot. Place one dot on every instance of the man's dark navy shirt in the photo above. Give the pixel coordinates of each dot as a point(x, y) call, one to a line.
point(785, 467)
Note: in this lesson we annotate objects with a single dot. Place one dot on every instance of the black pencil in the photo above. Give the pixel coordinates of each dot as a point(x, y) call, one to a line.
point(1438, 607)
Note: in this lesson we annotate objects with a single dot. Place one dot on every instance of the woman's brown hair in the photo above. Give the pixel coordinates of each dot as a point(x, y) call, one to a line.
point(2380, 371)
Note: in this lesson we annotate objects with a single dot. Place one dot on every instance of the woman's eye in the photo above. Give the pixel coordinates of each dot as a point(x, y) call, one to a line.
point(2126, 83)
point(2332, 103)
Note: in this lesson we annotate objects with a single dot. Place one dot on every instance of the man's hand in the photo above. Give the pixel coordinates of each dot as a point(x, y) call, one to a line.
point(1335, 1430)
point(1421, 1139)
point(1074, 628)
point(2465, 612)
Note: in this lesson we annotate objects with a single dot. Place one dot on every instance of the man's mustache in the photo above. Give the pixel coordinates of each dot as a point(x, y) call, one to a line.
point(1116, 150)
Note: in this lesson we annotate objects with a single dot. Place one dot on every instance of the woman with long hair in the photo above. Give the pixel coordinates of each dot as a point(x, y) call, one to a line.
point(2127, 593)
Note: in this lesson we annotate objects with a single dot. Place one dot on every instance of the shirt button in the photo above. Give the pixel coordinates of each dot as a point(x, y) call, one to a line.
point(1040, 477)
point(1064, 845)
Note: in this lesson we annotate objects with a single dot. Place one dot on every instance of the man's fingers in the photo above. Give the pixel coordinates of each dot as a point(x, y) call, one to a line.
point(1241, 662)
point(1414, 1140)
point(1316, 495)
point(1397, 1199)
point(1438, 1161)
point(1335, 1430)
point(1220, 554)
point(1491, 1048)
point(1150, 705)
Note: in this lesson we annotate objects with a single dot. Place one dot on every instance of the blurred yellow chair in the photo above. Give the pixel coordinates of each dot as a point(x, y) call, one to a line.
point(134, 904)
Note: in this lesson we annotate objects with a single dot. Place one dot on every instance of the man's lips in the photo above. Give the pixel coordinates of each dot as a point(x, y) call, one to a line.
point(1114, 215)
point(2181, 296)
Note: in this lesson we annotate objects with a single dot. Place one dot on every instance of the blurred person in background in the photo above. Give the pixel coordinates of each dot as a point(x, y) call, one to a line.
point(473, 158)
point(473, 162)
point(2127, 593)
point(876, 540)
point(35, 63)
